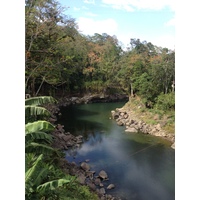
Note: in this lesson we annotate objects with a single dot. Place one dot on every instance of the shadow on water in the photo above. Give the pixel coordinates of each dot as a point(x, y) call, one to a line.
point(142, 167)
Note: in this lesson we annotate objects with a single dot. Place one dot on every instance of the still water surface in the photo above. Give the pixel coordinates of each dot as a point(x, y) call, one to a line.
point(142, 167)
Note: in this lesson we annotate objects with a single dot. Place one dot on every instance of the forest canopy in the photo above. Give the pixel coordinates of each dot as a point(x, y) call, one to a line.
point(59, 60)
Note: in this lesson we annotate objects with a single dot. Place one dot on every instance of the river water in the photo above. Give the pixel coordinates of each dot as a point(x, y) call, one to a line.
point(142, 167)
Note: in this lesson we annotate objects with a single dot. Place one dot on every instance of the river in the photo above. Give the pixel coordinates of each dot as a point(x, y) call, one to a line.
point(142, 167)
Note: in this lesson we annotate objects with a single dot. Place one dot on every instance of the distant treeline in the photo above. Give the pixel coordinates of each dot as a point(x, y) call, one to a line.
point(61, 61)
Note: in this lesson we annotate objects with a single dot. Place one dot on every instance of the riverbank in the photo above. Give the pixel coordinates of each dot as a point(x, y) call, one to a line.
point(65, 140)
point(97, 181)
point(133, 116)
point(91, 98)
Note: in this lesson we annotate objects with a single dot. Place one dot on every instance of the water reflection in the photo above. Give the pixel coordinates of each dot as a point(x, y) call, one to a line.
point(142, 167)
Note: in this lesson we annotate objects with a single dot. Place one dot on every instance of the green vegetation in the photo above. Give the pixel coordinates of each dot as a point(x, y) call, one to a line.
point(165, 117)
point(43, 178)
point(59, 61)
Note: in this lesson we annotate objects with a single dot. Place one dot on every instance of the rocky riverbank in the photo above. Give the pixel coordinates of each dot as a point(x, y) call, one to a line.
point(125, 117)
point(91, 98)
point(98, 182)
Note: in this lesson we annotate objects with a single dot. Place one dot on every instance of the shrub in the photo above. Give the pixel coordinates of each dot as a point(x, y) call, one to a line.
point(165, 101)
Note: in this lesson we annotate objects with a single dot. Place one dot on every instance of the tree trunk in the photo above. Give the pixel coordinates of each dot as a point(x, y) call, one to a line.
point(131, 90)
point(40, 86)
point(33, 87)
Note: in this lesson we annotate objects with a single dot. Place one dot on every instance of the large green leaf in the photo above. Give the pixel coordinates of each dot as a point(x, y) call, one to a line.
point(37, 148)
point(31, 110)
point(38, 136)
point(39, 100)
point(52, 185)
point(32, 174)
point(37, 126)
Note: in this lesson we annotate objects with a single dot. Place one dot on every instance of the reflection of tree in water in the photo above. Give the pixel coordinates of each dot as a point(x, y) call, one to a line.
point(95, 138)
point(91, 139)
point(72, 152)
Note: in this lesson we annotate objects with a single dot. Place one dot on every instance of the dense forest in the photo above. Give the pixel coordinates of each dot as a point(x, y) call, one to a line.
point(60, 61)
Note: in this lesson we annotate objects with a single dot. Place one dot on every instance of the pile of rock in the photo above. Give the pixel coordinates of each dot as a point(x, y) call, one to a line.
point(64, 140)
point(135, 125)
point(91, 98)
point(85, 176)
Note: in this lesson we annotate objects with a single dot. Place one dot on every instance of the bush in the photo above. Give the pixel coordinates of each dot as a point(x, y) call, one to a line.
point(165, 101)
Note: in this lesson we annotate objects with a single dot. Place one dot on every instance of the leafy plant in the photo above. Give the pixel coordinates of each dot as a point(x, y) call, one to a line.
point(165, 101)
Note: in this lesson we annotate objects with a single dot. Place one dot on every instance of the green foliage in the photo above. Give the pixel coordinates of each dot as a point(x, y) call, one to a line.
point(38, 184)
point(165, 101)
point(39, 126)
point(33, 111)
point(44, 179)
point(33, 107)
point(36, 101)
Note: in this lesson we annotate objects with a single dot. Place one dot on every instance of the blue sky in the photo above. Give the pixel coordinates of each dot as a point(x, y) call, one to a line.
point(150, 20)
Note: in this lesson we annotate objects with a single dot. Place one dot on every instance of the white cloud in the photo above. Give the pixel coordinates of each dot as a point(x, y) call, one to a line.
point(167, 41)
point(85, 8)
point(171, 22)
point(89, 1)
point(91, 14)
point(131, 5)
point(76, 9)
point(90, 26)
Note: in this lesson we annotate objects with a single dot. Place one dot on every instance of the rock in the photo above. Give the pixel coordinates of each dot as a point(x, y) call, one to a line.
point(131, 129)
point(81, 179)
point(103, 174)
point(120, 123)
point(90, 174)
point(109, 197)
point(73, 99)
point(103, 198)
point(125, 116)
point(97, 181)
point(158, 127)
point(101, 185)
point(111, 186)
point(173, 146)
point(102, 191)
point(91, 185)
point(85, 166)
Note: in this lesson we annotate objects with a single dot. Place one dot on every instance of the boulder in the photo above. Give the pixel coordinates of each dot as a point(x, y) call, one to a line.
point(85, 166)
point(103, 174)
point(81, 179)
point(120, 123)
point(97, 181)
point(102, 191)
point(111, 186)
point(91, 185)
point(131, 129)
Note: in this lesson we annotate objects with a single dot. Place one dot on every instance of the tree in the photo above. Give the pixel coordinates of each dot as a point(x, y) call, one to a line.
point(46, 28)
